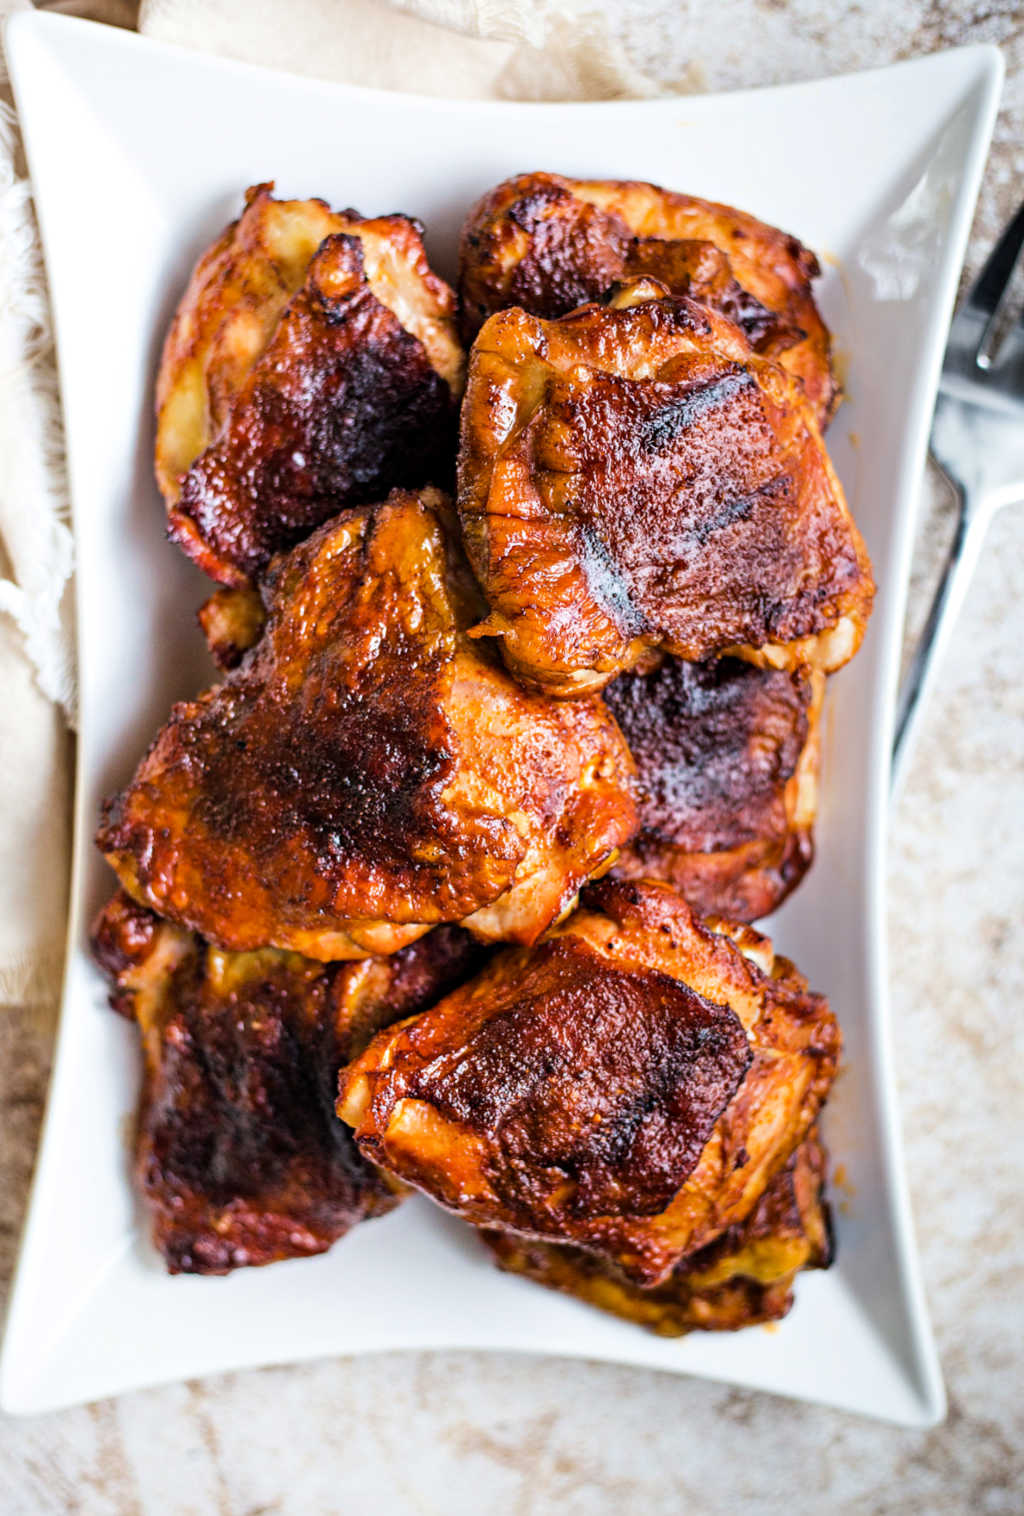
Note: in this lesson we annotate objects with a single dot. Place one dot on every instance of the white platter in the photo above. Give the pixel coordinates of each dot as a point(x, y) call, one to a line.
point(139, 154)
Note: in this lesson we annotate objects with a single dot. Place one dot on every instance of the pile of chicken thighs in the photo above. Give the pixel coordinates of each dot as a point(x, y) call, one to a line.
point(528, 597)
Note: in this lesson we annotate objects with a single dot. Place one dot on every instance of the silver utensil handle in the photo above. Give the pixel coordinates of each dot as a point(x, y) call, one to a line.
point(961, 560)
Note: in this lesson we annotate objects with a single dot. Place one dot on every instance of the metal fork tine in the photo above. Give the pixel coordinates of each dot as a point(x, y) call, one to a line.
point(988, 289)
point(978, 442)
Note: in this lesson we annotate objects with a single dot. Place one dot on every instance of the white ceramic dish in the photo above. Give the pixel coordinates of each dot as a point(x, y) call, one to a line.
point(139, 153)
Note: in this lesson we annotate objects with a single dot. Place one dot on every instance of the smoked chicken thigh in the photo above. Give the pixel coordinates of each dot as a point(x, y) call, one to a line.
point(745, 1277)
point(369, 770)
point(239, 1156)
point(632, 477)
point(727, 780)
point(630, 1085)
point(312, 363)
point(549, 244)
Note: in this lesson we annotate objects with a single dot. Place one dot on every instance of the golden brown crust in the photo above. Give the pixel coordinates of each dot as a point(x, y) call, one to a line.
point(239, 1156)
point(549, 244)
point(743, 1278)
point(726, 758)
point(631, 1085)
point(368, 770)
point(312, 363)
point(633, 477)
point(232, 621)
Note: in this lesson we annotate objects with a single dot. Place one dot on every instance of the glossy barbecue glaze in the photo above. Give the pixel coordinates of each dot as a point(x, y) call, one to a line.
point(312, 363)
point(369, 770)
point(238, 1153)
point(727, 758)
point(630, 1086)
point(632, 477)
point(746, 1276)
point(549, 244)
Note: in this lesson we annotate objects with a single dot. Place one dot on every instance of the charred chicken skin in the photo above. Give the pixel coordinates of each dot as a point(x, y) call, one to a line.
point(743, 1278)
point(727, 770)
point(630, 1086)
point(632, 477)
point(312, 363)
point(549, 244)
point(239, 1156)
point(369, 770)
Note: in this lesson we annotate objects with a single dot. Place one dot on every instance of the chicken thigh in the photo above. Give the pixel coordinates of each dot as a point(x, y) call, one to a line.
point(239, 1156)
point(632, 477)
point(630, 1086)
point(727, 780)
point(312, 363)
point(369, 770)
point(549, 244)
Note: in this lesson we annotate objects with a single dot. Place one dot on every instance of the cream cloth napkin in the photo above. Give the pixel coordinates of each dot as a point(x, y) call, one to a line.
point(37, 693)
point(36, 687)
point(551, 49)
point(515, 49)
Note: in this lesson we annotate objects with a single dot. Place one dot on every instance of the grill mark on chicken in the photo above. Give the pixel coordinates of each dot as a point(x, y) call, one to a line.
point(607, 583)
point(647, 427)
point(663, 426)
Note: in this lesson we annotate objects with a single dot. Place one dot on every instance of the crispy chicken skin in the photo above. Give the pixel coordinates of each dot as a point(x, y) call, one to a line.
point(549, 244)
point(632, 477)
point(630, 1086)
point(312, 363)
point(369, 770)
point(238, 1153)
point(232, 621)
point(745, 1277)
point(727, 780)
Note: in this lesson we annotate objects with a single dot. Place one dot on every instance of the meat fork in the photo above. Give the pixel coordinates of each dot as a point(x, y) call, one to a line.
point(977, 441)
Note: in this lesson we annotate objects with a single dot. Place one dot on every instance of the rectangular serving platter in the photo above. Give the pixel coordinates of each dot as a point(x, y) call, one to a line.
point(139, 154)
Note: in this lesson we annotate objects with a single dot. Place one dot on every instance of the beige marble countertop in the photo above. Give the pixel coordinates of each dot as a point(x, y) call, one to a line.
point(461, 1434)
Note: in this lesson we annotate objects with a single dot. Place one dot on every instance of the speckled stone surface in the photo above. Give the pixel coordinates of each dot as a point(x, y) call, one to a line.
point(463, 1434)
